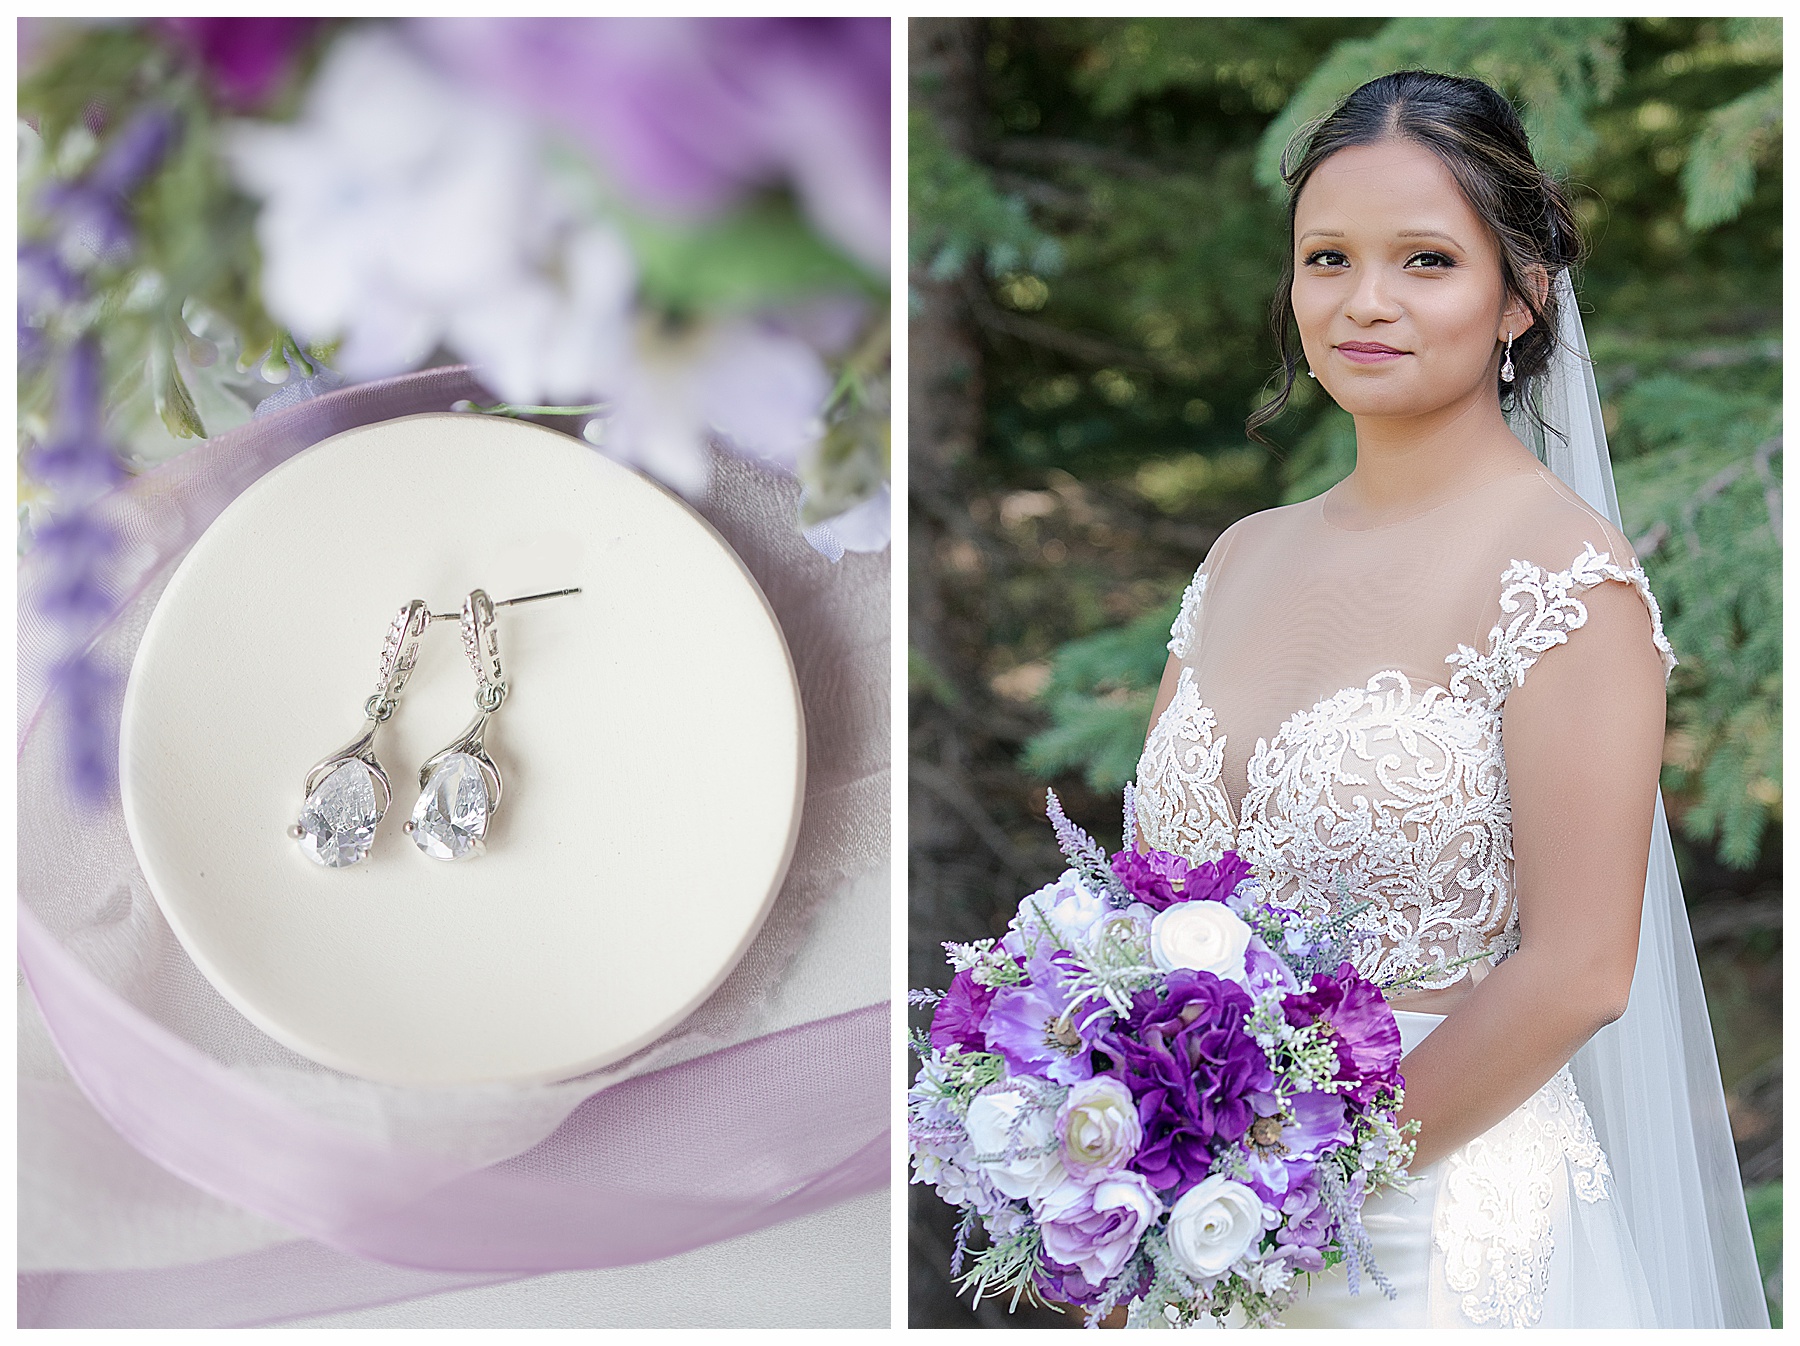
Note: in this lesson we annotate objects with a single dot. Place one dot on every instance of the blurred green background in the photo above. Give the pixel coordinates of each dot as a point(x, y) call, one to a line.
point(1095, 237)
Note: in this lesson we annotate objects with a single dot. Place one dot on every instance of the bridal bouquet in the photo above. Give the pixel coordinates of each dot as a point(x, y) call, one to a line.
point(1158, 1089)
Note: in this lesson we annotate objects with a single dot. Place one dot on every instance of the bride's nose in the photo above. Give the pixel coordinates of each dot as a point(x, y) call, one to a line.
point(1371, 300)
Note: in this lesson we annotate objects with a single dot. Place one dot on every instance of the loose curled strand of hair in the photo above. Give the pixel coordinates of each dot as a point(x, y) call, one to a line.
point(1477, 134)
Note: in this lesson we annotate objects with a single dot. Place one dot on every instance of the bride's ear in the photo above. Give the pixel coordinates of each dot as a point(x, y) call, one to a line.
point(1517, 316)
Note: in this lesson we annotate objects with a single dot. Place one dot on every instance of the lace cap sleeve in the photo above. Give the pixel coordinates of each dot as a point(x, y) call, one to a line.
point(1181, 634)
point(1538, 610)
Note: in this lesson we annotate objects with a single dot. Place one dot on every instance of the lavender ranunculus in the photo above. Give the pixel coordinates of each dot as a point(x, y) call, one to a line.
point(1042, 1026)
point(1192, 1069)
point(957, 1021)
point(1098, 1128)
point(1284, 1147)
point(1095, 1228)
point(1367, 1038)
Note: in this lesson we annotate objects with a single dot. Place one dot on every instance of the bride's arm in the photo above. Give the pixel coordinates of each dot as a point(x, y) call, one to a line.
point(1583, 742)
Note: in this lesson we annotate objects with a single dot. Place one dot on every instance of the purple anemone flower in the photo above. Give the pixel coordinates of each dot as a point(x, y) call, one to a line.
point(1193, 1071)
point(1042, 1026)
point(1366, 1036)
point(957, 1021)
point(1154, 879)
point(1216, 880)
point(1283, 1147)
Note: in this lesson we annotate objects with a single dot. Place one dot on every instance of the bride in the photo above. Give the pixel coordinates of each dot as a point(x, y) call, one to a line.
point(1444, 679)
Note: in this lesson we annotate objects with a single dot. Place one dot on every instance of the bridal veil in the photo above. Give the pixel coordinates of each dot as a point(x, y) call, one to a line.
point(1651, 1079)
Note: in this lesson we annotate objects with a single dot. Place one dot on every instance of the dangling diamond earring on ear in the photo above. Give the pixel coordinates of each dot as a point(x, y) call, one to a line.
point(1311, 375)
point(1506, 368)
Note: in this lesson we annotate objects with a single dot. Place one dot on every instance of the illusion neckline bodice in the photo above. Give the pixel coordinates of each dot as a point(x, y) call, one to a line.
point(1394, 785)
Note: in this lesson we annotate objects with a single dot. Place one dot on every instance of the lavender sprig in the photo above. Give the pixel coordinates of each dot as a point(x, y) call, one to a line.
point(1085, 855)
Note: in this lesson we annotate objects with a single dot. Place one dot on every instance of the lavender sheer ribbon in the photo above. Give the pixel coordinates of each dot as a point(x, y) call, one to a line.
point(717, 1146)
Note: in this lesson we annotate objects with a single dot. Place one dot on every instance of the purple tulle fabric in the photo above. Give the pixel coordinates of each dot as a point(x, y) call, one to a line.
point(713, 1147)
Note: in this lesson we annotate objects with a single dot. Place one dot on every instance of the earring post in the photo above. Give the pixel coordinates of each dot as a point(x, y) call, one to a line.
point(505, 603)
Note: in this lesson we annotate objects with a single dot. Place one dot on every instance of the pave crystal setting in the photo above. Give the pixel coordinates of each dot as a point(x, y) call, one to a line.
point(451, 818)
point(337, 823)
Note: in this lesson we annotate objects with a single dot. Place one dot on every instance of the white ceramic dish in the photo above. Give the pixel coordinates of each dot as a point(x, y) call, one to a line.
point(652, 745)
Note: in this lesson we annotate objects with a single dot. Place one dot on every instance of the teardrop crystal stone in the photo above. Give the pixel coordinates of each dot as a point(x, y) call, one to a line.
point(337, 822)
point(450, 820)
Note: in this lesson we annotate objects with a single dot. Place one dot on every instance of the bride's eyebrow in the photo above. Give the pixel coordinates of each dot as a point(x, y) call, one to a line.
point(1320, 233)
point(1429, 233)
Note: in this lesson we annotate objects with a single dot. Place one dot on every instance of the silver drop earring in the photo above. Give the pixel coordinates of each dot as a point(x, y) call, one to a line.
point(1506, 366)
point(460, 787)
point(347, 793)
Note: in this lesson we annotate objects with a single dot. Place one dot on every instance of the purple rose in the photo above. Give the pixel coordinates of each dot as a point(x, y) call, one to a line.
point(957, 1021)
point(1367, 1038)
point(1194, 1072)
point(1042, 1027)
point(1096, 1229)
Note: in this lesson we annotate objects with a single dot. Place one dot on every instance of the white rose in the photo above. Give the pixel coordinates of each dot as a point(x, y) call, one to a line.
point(1203, 936)
point(1023, 1162)
point(1063, 911)
point(1213, 1225)
point(1099, 1128)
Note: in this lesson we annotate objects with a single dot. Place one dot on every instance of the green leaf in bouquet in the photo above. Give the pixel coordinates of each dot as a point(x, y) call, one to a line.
point(763, 254)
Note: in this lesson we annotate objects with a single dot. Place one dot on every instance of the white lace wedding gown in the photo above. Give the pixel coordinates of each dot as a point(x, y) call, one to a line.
point(1338, 710)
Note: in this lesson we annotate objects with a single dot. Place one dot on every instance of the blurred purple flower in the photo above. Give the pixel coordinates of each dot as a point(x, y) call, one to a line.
point(1194, 1072)
point(692, 114)
point(245, 60)
point(89, 702)
point(958, 1017)
point(92, 212)
point(1362, 1024)
point(79, 461)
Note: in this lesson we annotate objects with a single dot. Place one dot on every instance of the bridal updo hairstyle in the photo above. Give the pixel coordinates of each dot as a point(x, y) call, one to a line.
point(1479, 137)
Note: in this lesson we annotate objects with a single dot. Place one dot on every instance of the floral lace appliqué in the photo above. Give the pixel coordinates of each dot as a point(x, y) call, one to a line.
point(1181, 805)
point(1538, 609)
point(1492, 1225)
point(1181, 635)
point(1401, 790)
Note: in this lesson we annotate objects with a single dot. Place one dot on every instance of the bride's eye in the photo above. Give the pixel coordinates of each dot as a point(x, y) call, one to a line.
point(1326, 257)
point(1430, 261)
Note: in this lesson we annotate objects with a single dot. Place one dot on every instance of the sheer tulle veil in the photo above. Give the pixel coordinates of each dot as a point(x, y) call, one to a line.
point(1651, 1079)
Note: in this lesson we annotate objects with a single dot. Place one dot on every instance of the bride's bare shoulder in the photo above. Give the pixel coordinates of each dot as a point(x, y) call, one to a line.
point(1266, 528)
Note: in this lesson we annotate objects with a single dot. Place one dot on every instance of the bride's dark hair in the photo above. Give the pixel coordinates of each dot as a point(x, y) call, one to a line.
point(1479, 137)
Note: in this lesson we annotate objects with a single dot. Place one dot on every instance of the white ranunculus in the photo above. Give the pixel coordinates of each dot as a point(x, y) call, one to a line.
point(1203, 936)
point(1034, 1164)
point(1213, 1225)
point(1099, 1129)
point(1063, 912)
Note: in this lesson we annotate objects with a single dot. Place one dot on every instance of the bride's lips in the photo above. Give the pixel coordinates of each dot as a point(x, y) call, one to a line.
point(1368, 352)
